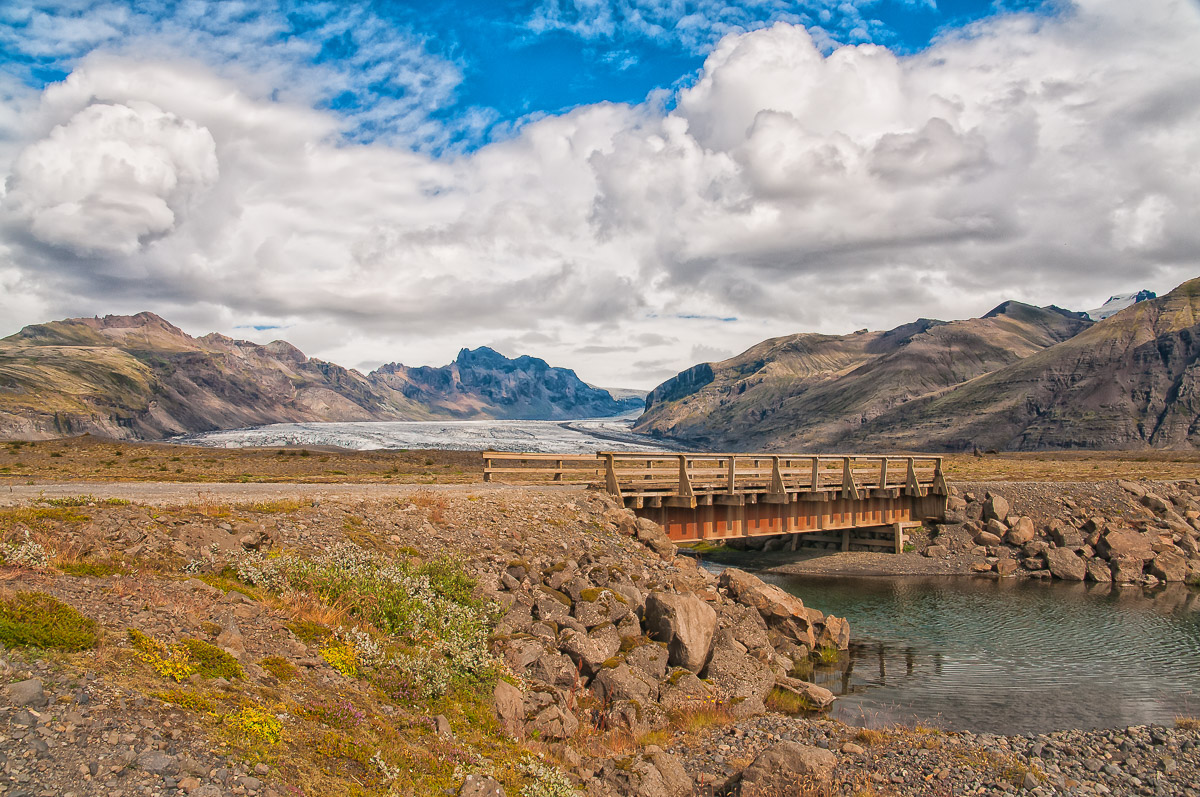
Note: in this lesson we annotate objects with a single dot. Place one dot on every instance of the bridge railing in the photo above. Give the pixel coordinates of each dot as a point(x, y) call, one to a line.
point(523, 467)
point(687, 475)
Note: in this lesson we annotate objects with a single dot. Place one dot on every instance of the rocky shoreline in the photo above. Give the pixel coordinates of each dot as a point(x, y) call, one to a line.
point(1121, 532)
point(631, 670)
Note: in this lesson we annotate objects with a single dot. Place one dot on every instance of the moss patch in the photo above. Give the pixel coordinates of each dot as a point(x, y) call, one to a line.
point(280, 667)
point(212, 662)
point(36, 619)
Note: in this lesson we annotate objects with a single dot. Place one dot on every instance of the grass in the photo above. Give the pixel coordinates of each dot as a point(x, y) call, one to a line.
point(277, 507)
point(700, 716)
point(84, 500)
point(93, 568)
point(83, 458)
point(827, 655)
point(1187, 723)
point(35, 619)
point(786, 701)
point(39, 518)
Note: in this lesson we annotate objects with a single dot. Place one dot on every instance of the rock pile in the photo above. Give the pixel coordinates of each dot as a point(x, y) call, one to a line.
point(1155, 539)
point(607, 640)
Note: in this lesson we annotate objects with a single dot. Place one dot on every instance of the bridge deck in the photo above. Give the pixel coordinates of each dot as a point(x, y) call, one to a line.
point(714, 496)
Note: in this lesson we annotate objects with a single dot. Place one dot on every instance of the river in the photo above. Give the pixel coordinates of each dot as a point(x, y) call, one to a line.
point(1009, 656)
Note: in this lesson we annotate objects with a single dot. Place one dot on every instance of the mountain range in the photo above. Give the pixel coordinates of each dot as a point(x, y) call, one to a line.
point(1018, 378)
point(140, 377)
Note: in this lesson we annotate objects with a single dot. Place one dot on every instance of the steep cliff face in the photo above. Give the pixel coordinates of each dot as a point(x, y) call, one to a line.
point(482, 383)
point(139, 377)
point(809, 392)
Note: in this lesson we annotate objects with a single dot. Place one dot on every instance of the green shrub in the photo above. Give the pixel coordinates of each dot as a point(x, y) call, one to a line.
point(280, 667)
point(212, 662)
point(427, 611)
point(186, 658)
point(36, 619)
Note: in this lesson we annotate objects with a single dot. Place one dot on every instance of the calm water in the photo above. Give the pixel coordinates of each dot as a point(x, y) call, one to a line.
point(1009, 656)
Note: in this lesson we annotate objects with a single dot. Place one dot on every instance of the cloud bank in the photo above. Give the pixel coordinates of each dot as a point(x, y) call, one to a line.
point(784, 189)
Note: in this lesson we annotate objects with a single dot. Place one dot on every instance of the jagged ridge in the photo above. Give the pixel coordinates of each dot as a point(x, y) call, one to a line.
point(140, 377)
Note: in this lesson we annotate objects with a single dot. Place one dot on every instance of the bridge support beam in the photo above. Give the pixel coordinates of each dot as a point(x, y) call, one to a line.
point(731, 517)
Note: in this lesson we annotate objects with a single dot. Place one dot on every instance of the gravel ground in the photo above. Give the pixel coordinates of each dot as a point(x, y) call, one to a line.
point(1149, 760)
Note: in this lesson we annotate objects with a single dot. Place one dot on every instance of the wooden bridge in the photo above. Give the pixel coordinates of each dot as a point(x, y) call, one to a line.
point(725, 496)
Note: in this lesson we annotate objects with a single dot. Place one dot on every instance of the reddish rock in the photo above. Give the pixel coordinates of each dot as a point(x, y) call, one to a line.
point(1021, 532)
point(1126, 544)
point(1169, 566)
point(1064, 564)
point(995, 507)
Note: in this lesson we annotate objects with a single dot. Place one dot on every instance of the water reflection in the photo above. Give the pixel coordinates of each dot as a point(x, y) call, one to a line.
point(1009, 656)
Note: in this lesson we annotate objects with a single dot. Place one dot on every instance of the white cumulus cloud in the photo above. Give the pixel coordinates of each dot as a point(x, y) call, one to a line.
point(111, 177)
point(1044, 159)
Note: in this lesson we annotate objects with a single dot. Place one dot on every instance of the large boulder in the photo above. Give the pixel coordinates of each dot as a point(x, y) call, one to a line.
point(1021, 532)
point(987, 539)
point(682, 689)
point(26, 693)
point(1065, 536)
point(995, 507)
point(1126, 544)
point(685, 623)
point(481, 786)
point(597, 606)
point(509, 704)
point(1098, 571)
point(788, 769)
point(624, 683)
point(1126, 569)
point(783, 612)
point(1066, 564)
point(589, 651)
point(1155, 503)
point(1169, 566)
point(734, 674)
point(653, 537)
point(817, 697)
point(651, 658)
point(834, 633)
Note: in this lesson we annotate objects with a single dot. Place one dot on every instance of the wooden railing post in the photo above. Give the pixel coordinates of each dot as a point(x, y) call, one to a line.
point(558, 464)
point(610, 477)
point(883, 474)
point(731, 470)
point(685, 482)
point(777, 486)
point(912, 486)
point(939, 478)
point(849, 488)
point(487, 464)
point(816, 474)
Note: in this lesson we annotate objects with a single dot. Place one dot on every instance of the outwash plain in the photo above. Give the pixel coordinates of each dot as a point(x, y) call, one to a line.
point(276, 622)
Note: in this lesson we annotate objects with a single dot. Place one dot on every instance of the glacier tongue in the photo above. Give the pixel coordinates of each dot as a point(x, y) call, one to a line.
point(550, 437)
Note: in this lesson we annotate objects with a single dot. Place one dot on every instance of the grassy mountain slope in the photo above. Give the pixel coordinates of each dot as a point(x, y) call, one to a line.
point(807, 392)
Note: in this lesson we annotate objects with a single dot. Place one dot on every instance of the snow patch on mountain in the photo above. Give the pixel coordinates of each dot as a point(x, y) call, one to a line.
point(1116, 304)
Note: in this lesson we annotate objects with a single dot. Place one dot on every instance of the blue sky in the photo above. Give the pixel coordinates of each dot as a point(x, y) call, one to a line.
point(496, 63)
